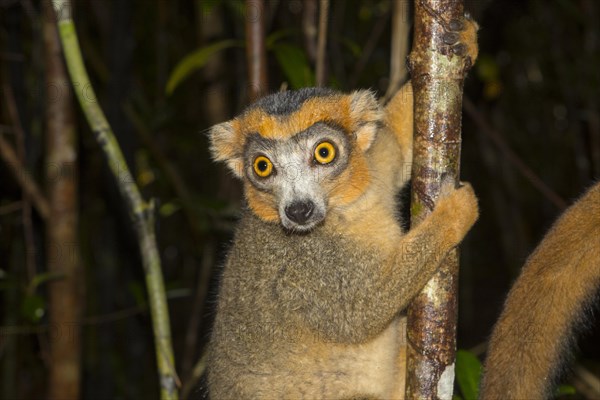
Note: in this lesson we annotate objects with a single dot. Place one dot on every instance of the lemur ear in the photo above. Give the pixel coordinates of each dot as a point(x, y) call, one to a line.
point(367, 116)
point(225, 146)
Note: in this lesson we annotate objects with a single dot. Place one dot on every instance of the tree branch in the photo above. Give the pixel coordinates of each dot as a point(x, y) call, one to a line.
point(437, 78)
point(141, 212)
point(62, 187)
point(256, 51)
point(512, 157)
point(400, 47)
point(322, 42)
point(28, 185)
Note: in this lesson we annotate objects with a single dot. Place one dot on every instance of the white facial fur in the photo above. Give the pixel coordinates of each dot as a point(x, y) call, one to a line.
point(297, 177)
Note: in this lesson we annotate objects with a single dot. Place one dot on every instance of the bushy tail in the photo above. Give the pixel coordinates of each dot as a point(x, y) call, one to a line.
point(545, 306)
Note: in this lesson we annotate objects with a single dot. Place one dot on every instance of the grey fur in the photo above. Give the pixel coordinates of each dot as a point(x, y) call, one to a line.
point(283, 294)
point(316, 316)
point(289, 101)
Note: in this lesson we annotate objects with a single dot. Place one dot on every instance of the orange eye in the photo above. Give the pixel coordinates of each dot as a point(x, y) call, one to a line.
point(263, 167)
point(324, 153)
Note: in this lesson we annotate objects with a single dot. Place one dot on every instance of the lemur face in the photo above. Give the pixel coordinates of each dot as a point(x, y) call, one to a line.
point(300, 154)
point(298, 172)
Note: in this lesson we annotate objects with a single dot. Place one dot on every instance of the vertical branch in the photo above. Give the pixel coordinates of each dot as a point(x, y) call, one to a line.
point(309, 28)
point(438, 75)
point(141, 212)
point(400, 46)
point(65, 295)
point(322, 42)
point(11, 106)
point(369, 48)
point(256, 51)
point(192, 376)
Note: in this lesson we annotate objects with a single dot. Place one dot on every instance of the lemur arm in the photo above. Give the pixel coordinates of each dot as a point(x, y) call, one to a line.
point(353, 306)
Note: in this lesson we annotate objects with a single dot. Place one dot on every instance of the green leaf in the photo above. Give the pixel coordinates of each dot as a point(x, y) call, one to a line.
point(237, 8)
point(352, 46)
point(487, 68)
point(33, 307)
point(276, 36)
point(207, 6)
point(468, 374)
point(564, 390)
point(295, 65)
point(195, 61)
point(168, 209)
point(139, 293)
point(40, 279)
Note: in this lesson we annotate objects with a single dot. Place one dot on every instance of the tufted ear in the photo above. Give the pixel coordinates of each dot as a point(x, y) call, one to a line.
point(367, 117)
point(226, 146)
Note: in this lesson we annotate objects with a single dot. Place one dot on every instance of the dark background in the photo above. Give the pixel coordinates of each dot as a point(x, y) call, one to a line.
point(536, 84)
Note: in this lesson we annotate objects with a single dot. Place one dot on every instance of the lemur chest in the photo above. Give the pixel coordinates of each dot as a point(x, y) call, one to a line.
point(315, 369)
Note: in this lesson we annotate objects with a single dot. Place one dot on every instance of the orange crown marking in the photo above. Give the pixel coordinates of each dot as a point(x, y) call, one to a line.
point(328, 109)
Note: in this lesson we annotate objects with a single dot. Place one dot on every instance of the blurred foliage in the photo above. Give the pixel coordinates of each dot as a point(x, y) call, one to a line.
point(295, 65)
point(166, 71)
point(468, 374)
point(194, 61)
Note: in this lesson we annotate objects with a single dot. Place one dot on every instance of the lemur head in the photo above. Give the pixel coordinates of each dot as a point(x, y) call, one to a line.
point(300, 153)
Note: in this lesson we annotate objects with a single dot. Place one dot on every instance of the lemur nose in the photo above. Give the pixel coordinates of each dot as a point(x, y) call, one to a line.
point(300, 211)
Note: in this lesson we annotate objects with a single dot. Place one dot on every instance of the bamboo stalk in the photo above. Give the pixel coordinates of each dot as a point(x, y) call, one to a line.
point(141, 211)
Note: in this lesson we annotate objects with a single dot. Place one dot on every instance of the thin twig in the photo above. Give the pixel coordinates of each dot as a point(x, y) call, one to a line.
point(197, 372)
point(256, 50)
point(511, 156)
point(322, 42)
point(335, 44)
point(23, 178)
point(309, 28)
point(86, 321)
point(173, 176)
point(370, 46)
point(586, 383)
point(10, 208)
point(191, 336)
point(11, 105)
point(12, 57)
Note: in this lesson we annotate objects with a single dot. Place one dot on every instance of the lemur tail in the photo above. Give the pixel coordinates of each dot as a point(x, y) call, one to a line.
point(545, 306)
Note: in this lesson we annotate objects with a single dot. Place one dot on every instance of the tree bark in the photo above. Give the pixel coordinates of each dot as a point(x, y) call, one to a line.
point(256, 50)
point(400, 47)
point(320, 70)
point(437, 78)
point(65, 294)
